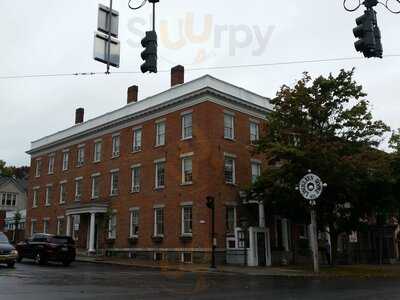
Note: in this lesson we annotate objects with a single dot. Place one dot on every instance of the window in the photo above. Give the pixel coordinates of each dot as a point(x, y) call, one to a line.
point(116, 142)
point(160, 174)
point(187, 220)
point(160, 133)
point(112, 227)
point(14, 200)
point(33, 227)
point(136, 179)
point(60, 226)
point(38, 167)
point(46, 226)
point(81, 156)
point(35, 198)
point(78, 189)
point(255, 171)
point(187, 258)
point(51, 164)
point(9, 196)
point(159, 221)
point(229, 123)
point(97, 152)
point(114, 183)
point(49, 195)
point(187, 126)
point(65, 161)
point(63, 192)
point(137, 140)
point(95, 186)
point(3, 199)
point(187, 170)
point(76, 221)
point(254, 132)
point(230, 219)
point(134, 229)
point(229, 170)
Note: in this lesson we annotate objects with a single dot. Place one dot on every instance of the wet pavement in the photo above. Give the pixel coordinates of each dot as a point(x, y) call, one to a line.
point(97, 281)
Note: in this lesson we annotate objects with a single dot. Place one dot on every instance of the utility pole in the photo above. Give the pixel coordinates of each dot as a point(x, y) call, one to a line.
point(211, 206)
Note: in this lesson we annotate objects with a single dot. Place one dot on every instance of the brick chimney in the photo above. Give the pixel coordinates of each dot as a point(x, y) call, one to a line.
point(133, 93)
point(177, 75)
point(79, 115)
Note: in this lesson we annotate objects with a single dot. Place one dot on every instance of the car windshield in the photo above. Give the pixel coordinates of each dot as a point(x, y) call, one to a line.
point(3, 238)
point(60, 240)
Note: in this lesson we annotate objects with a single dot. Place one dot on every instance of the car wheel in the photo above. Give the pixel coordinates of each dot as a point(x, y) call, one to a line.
point(11, 264)
point(40, 258)
point(66, 263)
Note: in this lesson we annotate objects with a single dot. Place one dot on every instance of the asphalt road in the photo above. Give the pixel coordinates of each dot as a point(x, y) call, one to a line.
point(95, 281)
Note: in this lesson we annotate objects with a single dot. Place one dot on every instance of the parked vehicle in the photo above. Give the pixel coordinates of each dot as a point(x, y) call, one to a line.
point(46, 247)
point(8, 254)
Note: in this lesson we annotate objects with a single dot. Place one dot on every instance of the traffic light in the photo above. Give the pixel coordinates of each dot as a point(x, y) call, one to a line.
point(368, 34)
point(149, 55)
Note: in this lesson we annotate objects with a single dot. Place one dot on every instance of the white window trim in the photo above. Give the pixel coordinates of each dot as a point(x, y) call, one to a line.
point(183, 115)
point(137, 148)
point(157, 124)
point(116, 137)
point(135, 188)
point(156, 183)
point(112, 191)
point(38, 170)
point(47, 198)
point(232, 115)
point(131, 211)
point(233, 168)
point(97, 143)
point(183, 181)
point(94, 177)
point(52, 159)
point(112, 232)
point(183, 233)
point(65, 160)
point(158, 207)
point(62, 184)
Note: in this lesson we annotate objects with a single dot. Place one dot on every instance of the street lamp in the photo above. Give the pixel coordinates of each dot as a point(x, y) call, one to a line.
point(211, 205)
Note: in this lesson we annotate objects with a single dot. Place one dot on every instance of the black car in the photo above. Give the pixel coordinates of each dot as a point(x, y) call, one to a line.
point(8, 254)
point(47, 247)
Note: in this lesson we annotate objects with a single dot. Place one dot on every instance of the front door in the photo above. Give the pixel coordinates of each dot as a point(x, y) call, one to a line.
point(261, 249)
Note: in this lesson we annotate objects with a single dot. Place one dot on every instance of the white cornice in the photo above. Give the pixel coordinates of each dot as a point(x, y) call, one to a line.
point(232, 96)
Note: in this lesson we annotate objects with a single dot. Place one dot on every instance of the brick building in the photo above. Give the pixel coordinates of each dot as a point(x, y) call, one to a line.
point(134, 181)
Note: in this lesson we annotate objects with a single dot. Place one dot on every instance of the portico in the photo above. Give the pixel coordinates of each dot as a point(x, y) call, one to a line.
point(93, 211)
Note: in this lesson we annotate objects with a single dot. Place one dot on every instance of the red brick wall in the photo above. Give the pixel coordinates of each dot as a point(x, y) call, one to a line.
point(208, 146)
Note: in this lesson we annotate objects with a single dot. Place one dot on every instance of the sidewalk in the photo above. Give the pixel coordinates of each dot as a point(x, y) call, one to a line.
point(255, 271)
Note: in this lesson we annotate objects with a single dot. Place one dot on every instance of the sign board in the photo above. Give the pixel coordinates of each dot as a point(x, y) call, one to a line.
point(104, 19)
point(101, 49)
point(311, 187)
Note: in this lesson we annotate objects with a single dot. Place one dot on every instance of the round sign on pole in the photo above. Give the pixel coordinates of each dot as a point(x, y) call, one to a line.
point(311, 187)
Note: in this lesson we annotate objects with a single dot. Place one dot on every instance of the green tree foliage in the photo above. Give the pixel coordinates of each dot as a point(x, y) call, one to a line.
point(325, 125)
point(18, 172)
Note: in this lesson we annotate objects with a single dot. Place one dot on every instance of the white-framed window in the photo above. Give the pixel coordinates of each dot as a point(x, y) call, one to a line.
point(49, 195)
point(14, 200)
point(33, 226)
point(229, 170)
point(114, 183)
point(254, 132)
point(137, 140)
point(76, 221)
point(78, 189)
point(187, 170)
point(116, 143)
point(38, 168)
point(51, 163)
point(187, 220)
point(159, 221)
point(112, 227)
point(135, 188)
point(60, 226)
point(63, 192)
point(230, 219)
point(187, 257)
point(160, 133)
point(35, 199)
point(229, 126)
point(160, 175)
point(80, 156)
point(187, 126)
point(134, 228)
point(255, 171)
point(95, 186)
point(46, 225)
point(65, 162)
point(97, 151)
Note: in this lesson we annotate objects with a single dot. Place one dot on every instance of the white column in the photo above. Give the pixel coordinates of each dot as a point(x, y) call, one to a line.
point(68, 225)
point(91, 235)
point(261, 214)
point(285, 235)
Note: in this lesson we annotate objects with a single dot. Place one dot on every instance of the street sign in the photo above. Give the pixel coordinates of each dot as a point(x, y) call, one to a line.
point(103, 20)
point(101, 49)
point(311, 187)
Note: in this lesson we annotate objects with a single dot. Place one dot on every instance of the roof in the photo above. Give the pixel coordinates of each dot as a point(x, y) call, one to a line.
point(181, 92)
point(21, 184)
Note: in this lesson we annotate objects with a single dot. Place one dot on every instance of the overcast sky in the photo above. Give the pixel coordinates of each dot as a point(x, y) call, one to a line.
point(47, 37)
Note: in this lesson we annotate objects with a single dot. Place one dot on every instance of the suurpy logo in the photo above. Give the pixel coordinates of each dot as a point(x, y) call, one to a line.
point(208, 42)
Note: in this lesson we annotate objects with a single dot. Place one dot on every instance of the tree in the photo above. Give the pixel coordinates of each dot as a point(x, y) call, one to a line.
point(325, 125)
point(18, 172)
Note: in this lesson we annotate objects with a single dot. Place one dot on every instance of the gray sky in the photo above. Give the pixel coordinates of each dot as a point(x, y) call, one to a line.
point(47, 36)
